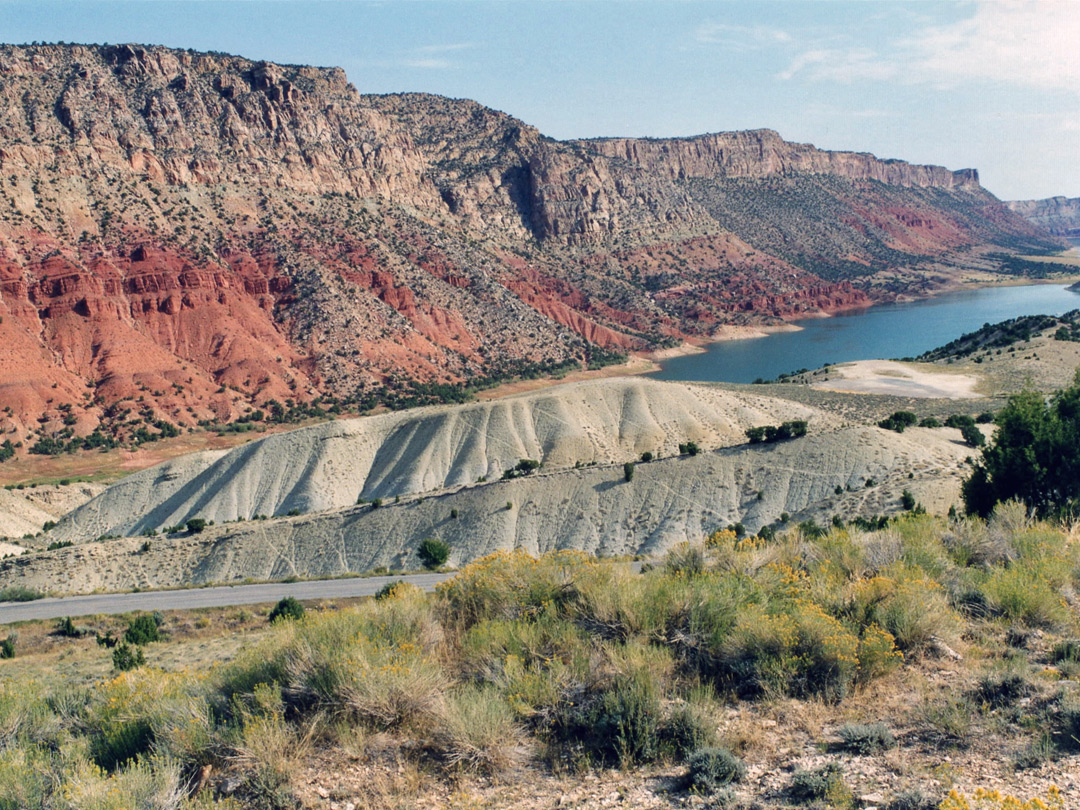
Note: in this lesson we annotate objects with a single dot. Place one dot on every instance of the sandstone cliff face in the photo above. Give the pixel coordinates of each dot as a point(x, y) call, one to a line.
point(189, 235)
point(763, 153)
point(1059, 215)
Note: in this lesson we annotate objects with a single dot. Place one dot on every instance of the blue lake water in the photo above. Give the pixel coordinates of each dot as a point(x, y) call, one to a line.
point(881, 332)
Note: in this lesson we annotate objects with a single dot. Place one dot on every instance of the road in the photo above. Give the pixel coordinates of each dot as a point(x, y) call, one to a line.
point(222, 596)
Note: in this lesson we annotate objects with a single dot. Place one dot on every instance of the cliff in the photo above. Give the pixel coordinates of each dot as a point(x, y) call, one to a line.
point(1058, 215)
point(186, 236)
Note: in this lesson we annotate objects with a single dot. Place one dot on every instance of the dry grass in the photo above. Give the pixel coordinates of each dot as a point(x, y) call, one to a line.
point(450, 699)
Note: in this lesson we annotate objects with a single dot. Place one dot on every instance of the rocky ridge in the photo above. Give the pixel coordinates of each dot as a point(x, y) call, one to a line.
point(189, 235)
point(1058, 215)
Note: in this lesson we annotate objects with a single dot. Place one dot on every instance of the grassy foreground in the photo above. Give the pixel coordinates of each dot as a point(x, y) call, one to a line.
point(568, 665)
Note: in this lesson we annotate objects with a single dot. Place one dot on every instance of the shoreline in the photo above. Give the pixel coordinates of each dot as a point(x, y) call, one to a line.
point(45, 469)
point(649, 362)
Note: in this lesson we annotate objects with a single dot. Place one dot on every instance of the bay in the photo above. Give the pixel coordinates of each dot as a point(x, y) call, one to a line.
point(881, 332)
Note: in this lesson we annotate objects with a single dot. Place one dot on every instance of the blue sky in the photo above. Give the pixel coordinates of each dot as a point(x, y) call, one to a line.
point(993, 85)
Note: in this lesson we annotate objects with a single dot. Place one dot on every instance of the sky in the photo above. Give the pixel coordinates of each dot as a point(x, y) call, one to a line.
point(986, 84)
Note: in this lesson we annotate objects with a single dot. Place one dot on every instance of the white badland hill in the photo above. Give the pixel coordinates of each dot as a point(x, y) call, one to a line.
point(330, 466)
point(26, 511)
point(433, 458)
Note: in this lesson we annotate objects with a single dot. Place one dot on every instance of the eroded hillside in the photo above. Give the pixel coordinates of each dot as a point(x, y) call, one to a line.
point(185, 236)
point(287, 505)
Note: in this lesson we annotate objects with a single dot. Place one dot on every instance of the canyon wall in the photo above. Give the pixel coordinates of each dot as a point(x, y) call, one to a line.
point(186, 236)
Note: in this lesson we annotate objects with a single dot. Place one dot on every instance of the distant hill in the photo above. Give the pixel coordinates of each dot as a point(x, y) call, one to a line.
point(1058, 215)
point(1065, 327)
point(185, 237)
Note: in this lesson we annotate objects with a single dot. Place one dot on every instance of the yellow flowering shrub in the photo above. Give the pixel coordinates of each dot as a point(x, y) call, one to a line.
point(512, 584)
point(985, 799)
point(798, 651)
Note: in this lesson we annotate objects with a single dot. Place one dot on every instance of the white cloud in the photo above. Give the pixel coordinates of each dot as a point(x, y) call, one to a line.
point(456, 46)
point(433, 57)
point(428, 64)
point(740, 37)
point(1033, 43)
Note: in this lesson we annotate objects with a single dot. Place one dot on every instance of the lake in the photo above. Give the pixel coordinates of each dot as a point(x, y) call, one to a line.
point(881, 332)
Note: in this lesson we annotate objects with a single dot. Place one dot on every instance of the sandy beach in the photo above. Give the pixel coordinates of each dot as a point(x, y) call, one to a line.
point(899, 379)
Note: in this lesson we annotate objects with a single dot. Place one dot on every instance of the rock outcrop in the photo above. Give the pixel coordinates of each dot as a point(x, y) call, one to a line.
point(189, 235)
point(1059, 215)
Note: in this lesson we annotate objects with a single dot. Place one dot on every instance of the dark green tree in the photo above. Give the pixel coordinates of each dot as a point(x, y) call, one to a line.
point(126, 657)
point(143, 629)
point(287, 608)
point(1034, 456)
point(973, 437)
point(433, 553)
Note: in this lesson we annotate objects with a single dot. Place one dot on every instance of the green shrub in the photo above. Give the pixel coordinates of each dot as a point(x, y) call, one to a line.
point(907, 500)
point(899, 421)
point(1000, 690)
point(822, 784)
point(628, 471)
point(1067, 650)
point(19, 593)
point(108, 640)
point(287, 609)
point(433, 553)
point(195, 525)
point(369, 665)
point(127, 657)
point(143, 629)
point(508, 585)
point(689, 449)
point(66, 627)
point(959, 420)
point(388, 590)
point(526, 466)
point(972, 436)
point(1036, 753)
point(871, 738)
point(689, 727)
point(622, 726)
point(475, 731)
point(1067, 730)
point(646, 457)
point(1026, 592)
point(777, 433)
point(712, 768)
point(800, 651)
point(1034, 455)
point(7, 646)
point(912, 608)
point(913, 799)
point(686, 559)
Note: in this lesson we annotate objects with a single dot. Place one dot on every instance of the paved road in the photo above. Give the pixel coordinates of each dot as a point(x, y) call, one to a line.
point(55, 608)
